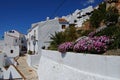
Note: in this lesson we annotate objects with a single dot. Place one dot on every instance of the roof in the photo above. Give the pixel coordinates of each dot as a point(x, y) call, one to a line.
point(13, 36)
point(13, 33)
point(11, 73)
point(62, 20)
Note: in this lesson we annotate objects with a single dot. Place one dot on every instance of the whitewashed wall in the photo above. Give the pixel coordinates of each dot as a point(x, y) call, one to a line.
point(10, 38)
point(7, 51)
point(77, 66)
point(1, 59)
point(2, 45)
point(33, 60)
point(49, 27)
point(11, 72)
point(74, 16)
point(43, 29)
point(30, 45)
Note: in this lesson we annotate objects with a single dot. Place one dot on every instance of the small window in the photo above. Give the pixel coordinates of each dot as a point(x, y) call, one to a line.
point(16, 40)
point(11, 31)
point(11, 51)
point(75, 21)
point(22, 41)
point(63, 26)
point(34, 32)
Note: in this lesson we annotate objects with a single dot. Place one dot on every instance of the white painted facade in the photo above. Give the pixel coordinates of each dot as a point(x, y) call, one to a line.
point(79, 16)
point(12, 51)
point(14, 43)
point(33, 60)
point(11, 73)
point(77, 66)
point(33, 36)
point(5, 74)
point(39, 37)
point(2, 44)
point(40, 33)
point(1, 60)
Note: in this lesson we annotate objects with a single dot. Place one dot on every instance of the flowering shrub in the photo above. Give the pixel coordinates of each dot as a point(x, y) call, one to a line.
point(88, 44)
point(94, 45)
point(81, 45)
point(91, 34)
point(67, 46)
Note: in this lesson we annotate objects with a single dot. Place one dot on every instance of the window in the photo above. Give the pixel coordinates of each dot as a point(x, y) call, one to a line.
point(34, 32)
point(63, 26)
point(11, 31)
point(22, 41)
point(16, 40)
point(75, 21)
point(11, 51)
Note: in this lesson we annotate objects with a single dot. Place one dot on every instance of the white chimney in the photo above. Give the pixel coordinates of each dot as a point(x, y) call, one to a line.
point(56, 18)
point(47, 18)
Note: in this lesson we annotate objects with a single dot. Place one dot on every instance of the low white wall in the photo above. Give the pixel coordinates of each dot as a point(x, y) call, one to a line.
point(78, 66)
point(33, 59)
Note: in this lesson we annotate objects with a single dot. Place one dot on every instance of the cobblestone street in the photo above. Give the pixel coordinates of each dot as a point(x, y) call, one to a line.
point(29, 73)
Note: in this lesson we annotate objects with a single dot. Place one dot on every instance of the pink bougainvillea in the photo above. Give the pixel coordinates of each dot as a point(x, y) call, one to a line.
point(88, 44)
point(67, 46)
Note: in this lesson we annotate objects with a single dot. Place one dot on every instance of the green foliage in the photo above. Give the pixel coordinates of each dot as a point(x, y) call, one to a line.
point(113, 32)
point(112, 15)
point(86, 32)
point(98, 15)
point(69, 34)
point(30, 52)
point(57, 39)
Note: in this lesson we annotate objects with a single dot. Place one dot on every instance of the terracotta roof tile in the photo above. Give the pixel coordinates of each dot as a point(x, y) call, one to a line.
point(62, 20)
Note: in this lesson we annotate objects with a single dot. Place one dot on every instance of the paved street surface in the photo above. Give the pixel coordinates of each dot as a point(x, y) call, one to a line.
point(28, 72)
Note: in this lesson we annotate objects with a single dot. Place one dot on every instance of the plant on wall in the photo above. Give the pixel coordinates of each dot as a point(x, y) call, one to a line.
point(113, 32)
point(67, 46)
point(30, 52)
point(57, 39)
point(69, 34)
point(89, 44)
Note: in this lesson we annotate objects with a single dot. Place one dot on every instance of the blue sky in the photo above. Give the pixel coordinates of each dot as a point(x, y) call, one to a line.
point(20, 14)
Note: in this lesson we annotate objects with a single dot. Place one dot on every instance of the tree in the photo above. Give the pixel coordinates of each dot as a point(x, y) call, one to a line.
point(111, 16)
point(71, 33)
point(57, 39)
point(98, 15)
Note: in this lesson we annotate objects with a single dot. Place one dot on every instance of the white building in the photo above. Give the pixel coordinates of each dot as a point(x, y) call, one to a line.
point(1, 45)
point(10, 74)
point(79, 16)
point(14, 42)
point(8, 70)
point(41, 32)
point(39, 37)
point(44, 29)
